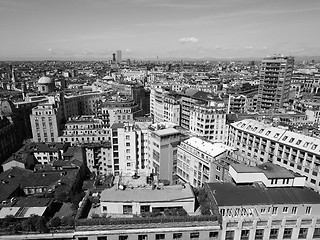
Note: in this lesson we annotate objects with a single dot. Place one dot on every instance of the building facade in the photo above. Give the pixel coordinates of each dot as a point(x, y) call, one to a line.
point(200, 161)
point(45, 122)
point(258, 142)
point(275, 80)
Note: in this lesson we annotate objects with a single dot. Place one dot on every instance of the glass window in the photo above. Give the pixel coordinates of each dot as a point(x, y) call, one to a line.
point(294, 210)
point(229, 235)
point(160, 236)
point(274, 233)
point(102, 238)
point(123, 237)
point(177, 236)
point(127, 209)
point(316, 233)
point(194, 235)
point(213, 234)
point(287, 233)
point(303, 233)
point(259, 234)
point(308, 210)
point(245, 234)
point(143, 237)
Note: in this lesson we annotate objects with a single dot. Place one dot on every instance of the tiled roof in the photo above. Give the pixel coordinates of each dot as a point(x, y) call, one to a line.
point(280, 135)
point(228, 194)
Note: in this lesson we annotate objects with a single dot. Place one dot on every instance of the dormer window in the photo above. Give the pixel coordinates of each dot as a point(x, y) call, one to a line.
point(261, 130)
point(298, 142)
point(306, 144)
point(314, 146)
point(267, 133)
point(285, 138)
point(291, 140)
point(276, 135)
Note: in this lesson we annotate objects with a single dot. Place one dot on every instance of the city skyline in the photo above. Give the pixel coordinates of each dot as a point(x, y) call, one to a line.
point(93, 30)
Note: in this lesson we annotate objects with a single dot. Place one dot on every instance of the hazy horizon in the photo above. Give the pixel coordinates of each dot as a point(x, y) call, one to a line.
point(147, 29)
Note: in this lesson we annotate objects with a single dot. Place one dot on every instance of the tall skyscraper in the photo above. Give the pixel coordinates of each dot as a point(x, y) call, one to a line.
point(119, 56)
point(275, 80)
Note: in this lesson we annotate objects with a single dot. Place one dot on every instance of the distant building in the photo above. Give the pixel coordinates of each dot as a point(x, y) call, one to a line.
point(275, 80)
point(45, 85)
point(119, 56)
point(45, 122)
point(165, 106)
point(84, 129)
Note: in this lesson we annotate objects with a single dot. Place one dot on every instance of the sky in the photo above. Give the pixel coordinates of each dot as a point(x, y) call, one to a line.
point(142, 29)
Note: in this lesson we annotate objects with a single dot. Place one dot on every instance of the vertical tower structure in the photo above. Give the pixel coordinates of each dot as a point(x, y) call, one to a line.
point(275, 80)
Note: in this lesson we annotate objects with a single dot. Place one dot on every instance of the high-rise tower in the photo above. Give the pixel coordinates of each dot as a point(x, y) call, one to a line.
point(119, 56)
point(275, 80)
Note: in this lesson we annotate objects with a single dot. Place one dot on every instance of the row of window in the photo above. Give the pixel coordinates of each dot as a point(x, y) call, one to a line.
point(160, 236)
point(273, 234)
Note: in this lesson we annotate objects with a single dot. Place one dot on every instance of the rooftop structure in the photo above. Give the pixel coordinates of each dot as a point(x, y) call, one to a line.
point(269, 174)
point(262, 142)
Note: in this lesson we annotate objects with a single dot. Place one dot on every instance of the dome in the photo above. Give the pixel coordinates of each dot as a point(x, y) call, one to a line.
point(44, 80)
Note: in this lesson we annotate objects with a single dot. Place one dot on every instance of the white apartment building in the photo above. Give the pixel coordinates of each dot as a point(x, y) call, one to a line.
point(237, 104)
point(118, 110)
point(84, 129)
point(258, 143)
point(163, 143)
point(99, 157)
point(209, 121)
point(45, 122)
point(83, 103)
point(164, 106)
point(129, 148)
point(200, 161)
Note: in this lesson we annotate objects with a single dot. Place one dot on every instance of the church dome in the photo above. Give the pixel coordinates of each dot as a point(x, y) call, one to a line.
point(45, 80)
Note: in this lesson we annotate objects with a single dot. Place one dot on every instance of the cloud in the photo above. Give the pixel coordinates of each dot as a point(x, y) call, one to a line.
point(188, 40)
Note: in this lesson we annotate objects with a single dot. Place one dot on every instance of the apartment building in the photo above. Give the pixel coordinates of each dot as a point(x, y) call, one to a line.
point(200, 161)
point(255, 212)
point(209, 121)
point(45, 122)
point(84, 129)
point(258, 142)
point(237, 104)
point(124, 148)
point(266, 202)
point(164, 106)
point(163, 145)
point(80, 103)
point(275, 80)
point(118, 110)
point(99, 157)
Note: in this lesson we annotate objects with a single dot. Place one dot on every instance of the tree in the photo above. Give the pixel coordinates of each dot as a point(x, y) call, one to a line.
point(41, 225)
point(67, 221)
point(29, 224)
point(55, 222)
point(16, 227)
point(7, 221)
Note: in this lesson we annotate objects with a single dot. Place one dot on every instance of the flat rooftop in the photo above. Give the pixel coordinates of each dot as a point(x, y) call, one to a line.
point(147, 194)
point(228, 194)
point(166, 132)
point(268, 169)
point(211, 148)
